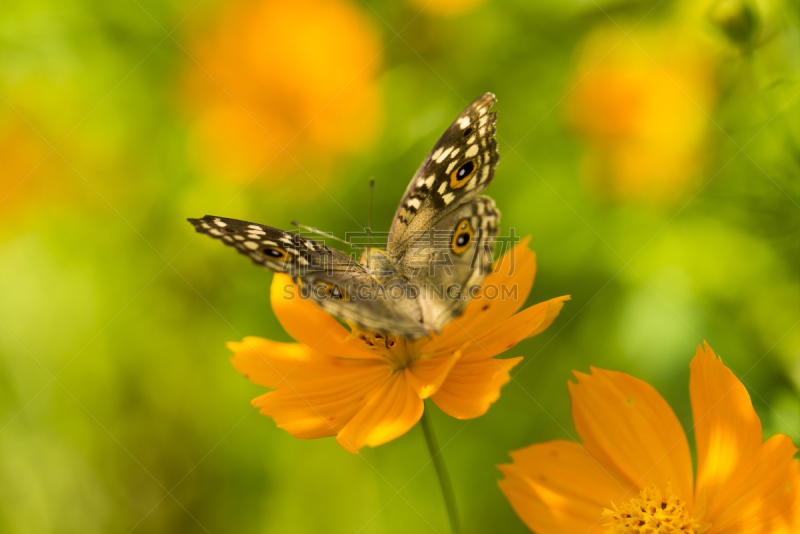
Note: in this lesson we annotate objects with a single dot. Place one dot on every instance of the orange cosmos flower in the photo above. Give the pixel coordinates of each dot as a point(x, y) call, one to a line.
point(633, 472)
point(640, 103)
point(368, 389)
point(271, 75)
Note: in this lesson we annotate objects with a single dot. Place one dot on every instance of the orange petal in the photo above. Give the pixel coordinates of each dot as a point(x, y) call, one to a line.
point(503, 293)
point(624, 422)
point(516, 269)
point(727, 429)
point(426, 376)
point(793, 513)
point(762, 496)
point(268, 363)
point(308, 323)
point(557, 487)
point(525, 324)
point(391, 412)
point(320, 407)
point(471, 387)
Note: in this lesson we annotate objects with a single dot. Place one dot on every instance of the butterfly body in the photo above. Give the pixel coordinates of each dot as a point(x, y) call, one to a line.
point(380, 263)
point(439, 249)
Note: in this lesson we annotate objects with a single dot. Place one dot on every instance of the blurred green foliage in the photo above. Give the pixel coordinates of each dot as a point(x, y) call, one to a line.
point(119, 411)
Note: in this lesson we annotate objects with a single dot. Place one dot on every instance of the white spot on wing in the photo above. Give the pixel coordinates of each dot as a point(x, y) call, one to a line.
point(214, 231)
point(436, 154)
point(239, 237)
point(220, 223)
point(448, 198)
point(252, 245)
point(414, 203)
point(471, 139)
point(443, 155)
point(271, 243)
point(442, 188)
point(464, 122)
point(484, 174)
point(455, 152)
point(472, 183)
point(255, 227)
point(450, 167)
point(470, 153)
point(429, 181)
point(228, 238)
point(302, 261)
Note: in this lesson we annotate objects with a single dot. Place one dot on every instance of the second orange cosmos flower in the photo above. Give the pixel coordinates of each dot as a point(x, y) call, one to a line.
point(633, 472)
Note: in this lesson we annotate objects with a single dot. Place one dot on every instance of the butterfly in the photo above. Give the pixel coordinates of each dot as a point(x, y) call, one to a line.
point(439, 249)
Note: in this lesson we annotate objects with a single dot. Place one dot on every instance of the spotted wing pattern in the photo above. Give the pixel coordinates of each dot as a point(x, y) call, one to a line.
point(459, 167)
point(451, 259)
point(389, 307)
point(336, 282)
point(275, 249)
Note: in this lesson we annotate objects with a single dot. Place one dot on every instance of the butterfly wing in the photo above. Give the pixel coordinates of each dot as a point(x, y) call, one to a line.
point(459, 167)
point(451, 259)
point(273, 248)
point(336, 282)
point(357, 297)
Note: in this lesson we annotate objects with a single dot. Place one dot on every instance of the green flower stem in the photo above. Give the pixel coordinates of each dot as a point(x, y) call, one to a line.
point(441, 472)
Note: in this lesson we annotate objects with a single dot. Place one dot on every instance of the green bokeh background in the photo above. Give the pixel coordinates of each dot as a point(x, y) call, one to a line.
point(119, 409)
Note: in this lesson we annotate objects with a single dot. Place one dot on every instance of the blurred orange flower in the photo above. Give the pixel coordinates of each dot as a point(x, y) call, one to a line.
point(295, 75)
point(633, 473)
point(446, 8)
point(30, 176)
point(367, 388)
point(641, 102)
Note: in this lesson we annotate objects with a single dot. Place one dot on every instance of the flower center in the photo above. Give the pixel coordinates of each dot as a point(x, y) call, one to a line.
point(652, 513)
point(399, 352)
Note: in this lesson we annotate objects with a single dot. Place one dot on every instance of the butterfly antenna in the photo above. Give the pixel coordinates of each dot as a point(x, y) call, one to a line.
point(323, 234)
point(369, 218)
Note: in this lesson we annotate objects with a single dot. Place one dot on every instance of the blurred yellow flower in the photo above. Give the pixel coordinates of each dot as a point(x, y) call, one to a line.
point(296, 75)
point(641, 103)
point(633, 472)
point(446, 8)
point(367, 388)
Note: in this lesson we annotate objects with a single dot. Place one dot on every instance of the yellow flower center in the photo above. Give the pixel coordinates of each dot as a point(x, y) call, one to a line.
point(399, 352)
point(653, 513)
